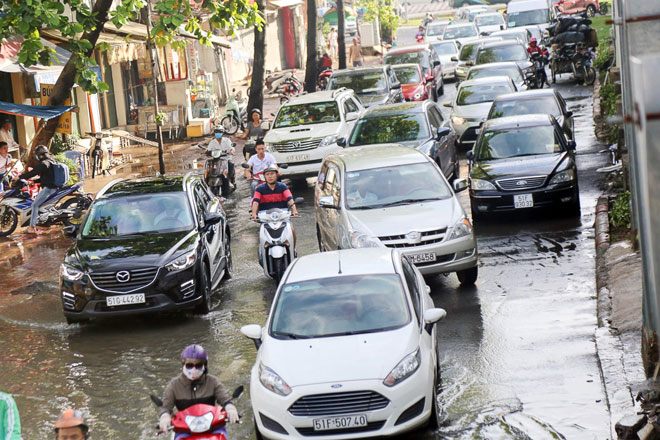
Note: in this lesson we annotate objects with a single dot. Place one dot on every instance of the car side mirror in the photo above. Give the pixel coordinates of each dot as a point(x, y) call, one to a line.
point(431, 317)
point(572, 145)
point(396, 85)
point(428, 78)
point(455, 59)
point(460, 185)
point(442, 132)
point(265, 125)
point(341, 142)
point(352, 116)
point(253, 331)
point(447, 103)
point(469, 63)
point(327, 202)
point(569, 114)
point(436, 63)
point(212, 218)
point(469, 154)
point(70, 231)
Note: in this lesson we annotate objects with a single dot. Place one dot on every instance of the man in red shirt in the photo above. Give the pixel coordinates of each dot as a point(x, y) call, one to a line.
point(535, 48)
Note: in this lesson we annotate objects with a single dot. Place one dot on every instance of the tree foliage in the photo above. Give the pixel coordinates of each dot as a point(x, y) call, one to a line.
point(383, 10)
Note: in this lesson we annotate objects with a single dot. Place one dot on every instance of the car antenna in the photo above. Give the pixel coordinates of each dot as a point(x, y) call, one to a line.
point(339, 259)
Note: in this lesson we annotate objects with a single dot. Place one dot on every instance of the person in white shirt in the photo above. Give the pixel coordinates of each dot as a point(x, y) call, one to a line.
point(6, 136)
point(224, 145)
point(6, 162)
point(258, 163)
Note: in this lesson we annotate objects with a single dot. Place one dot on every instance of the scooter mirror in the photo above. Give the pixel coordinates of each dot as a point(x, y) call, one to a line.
point(299, 200)
point(245, 165)
point(156, 400)
point(237, 392)
point(284, 166)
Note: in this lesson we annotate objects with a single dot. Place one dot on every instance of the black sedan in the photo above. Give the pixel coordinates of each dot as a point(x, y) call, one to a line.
point(146, 245)
point(373, 85)
point(522, 163)
point(414, 124)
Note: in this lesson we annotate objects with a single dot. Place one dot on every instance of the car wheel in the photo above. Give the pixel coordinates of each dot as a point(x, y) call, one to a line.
point(468, 277)
point(204, 289)
point(229, 265)
point(435, 419)
point(591, 11)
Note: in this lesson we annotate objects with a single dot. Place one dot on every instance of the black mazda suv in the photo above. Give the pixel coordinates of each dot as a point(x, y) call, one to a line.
point(146, 245)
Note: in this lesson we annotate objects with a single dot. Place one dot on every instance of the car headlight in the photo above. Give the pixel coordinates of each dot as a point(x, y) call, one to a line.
point(458, 120)
point(362, 240)
point(269, 147)
point(460, 69)
point(461, 229)
point(70, 273)
point(404, 369)
point(182, 262)
point(481, 185)
point(200, 423)
point(563, 177)
point(328, 140)
point(273, 381)
point(417, 96)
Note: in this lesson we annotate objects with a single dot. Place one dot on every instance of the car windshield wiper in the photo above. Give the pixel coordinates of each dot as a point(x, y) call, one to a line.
point(291, 335)
point(406, 202)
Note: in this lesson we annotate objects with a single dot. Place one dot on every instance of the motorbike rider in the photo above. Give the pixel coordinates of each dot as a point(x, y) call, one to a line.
point(44, 169)
point(419, 36)
point(223, 144)
point(194, 385)
point(253, 128)
point(273, 194)
point(6, 163)
point(258, 162)
point(71, 426)
point(535, 48)
point(325, 62)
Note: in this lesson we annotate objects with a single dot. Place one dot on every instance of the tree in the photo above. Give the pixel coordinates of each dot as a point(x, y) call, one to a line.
point(311, 64)
point(27, 18)
point(341, 34)
point(384, 11)
point(256, 99)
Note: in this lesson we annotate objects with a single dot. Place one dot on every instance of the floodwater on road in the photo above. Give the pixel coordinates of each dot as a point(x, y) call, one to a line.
point(517, 351)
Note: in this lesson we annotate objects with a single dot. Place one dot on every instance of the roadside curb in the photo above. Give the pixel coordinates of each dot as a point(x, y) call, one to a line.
point(609, 346)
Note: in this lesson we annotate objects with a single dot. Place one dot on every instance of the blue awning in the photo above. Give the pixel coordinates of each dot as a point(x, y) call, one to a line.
point(36, 111)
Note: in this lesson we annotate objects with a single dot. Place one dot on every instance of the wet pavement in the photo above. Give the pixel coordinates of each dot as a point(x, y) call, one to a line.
point(517, 351)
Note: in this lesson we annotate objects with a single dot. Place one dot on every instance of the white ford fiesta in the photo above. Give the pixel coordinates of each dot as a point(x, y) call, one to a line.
point(348, 350)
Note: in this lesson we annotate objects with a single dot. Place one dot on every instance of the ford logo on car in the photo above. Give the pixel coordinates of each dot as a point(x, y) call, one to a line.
point(123, 276)
point(337, 385)
point(521, 183)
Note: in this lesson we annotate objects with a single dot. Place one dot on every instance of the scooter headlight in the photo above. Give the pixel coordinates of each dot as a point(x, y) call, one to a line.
point(200, 423)
point(215, 154)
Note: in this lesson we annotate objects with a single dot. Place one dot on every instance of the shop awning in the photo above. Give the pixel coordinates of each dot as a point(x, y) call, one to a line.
point(285, 3)
point(36, 111)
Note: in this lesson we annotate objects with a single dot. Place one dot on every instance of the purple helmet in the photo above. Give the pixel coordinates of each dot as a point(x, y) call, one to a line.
point(194, 351)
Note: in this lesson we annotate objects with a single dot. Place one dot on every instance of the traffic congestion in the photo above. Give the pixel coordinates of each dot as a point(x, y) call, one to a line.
point(405, 252)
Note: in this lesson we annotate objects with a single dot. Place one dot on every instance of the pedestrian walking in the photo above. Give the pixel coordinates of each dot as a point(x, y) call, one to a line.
point(333, 44)
point(355, 54)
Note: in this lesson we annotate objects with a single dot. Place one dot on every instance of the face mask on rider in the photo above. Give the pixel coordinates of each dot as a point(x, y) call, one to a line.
point(193, 373)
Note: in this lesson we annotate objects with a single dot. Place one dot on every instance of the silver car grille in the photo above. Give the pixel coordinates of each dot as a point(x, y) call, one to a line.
point(338, 403)
point(301, 145)
point(137, 279)
point(409, 240)
point(521, 183)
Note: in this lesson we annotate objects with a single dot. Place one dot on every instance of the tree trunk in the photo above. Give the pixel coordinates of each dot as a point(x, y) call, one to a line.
point(62, 89)
point(155, 66)
point(341, 36)
point(256, 99)
point(310, 67)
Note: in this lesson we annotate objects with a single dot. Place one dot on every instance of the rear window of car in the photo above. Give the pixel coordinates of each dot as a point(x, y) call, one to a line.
point(546, 105)
point(361, 83)
point(305, 114)
point(513, 52)
point(488, 20)
point(478, 93)
point(390, 129)
point(420, 57)
point(433, 30)
point(444, 48)
point(408, 75)
point(510, 71)
point(459, 32)
point(524, 141)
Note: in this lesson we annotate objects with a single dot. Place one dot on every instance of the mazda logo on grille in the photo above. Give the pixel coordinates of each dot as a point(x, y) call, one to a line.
point(521, 183)
point(296, 144)
point(123, 276)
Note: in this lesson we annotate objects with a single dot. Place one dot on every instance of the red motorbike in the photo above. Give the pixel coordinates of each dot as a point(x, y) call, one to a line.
point(322, 80)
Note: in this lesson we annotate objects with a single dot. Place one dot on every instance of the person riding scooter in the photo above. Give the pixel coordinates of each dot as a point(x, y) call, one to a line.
point(535, 48)
point(224, 145)
point(419, 36)
point(71, 426)
point(273, 194)
point(194, 385)
point(257, 164)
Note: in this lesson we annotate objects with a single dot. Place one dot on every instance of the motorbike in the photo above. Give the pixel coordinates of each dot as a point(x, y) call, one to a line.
point(216, 172)
point(235, 114)
point(283, 83)
point(16, 207)
point(276, 248)
point(200, 421)
point(97, 152)
point(575, 60)
point(419, 38)
point(322, 80)
point(538, 78)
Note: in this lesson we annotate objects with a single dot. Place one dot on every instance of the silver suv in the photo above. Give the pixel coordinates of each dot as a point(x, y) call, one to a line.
point(393, 196)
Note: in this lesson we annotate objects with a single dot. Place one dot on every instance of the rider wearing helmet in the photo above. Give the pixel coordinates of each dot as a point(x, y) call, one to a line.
point(419, 36)
point(194, 385)
point(534, 48)
point(71, 426)
point(44, 169)
point(223, 144)
point(253, 128)
point(273, 194)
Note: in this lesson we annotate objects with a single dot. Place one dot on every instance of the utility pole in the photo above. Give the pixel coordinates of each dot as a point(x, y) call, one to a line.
point(154, 72)
point(341, 36)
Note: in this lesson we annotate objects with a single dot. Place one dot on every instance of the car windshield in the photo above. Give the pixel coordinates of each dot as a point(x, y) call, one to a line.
point(138, 215)
point(447, 48)
point(522, 36)
point(524, 18)
point(525, 141)
point(473, 14)
point(433, 30)
point(488, 20)
point(362, 83)
point(452, 33)
point(390, 129)
point(393, 186)
point(510, 71)
point(419, 57)
point(408, 75)
point(478, 93)
point(305, 114)
point(546, 105)
point(512, 52)
point(340, 306)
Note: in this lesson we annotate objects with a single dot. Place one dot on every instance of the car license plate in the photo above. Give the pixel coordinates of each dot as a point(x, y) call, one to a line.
point(426, 257)
point(122, 300)
point(523, 201)
point(297, 157)
point(342, 422)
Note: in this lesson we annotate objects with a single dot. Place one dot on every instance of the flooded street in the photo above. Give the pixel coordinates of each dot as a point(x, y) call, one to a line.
point(517, 351)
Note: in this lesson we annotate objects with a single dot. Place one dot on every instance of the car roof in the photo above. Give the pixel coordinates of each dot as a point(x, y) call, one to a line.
point(510, 122)
point(495, 65)
point(526, 94)
point(501, 44)
point(377, 156)
point(440, 21)
point(358, 70)
point(395, 109)
point(396, 66)
point(461, 24)
point(482, 40)
point(488, 80)
point(407, 49)
point(510, 31)
point(342, 263)
point(144, 185)
point(322, 96)
point(483, 14)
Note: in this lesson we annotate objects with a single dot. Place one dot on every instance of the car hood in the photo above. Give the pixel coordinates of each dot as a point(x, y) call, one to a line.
point(425, 216)
point(474, 111)
point(339, 359)
point(543, 164)
point(302, 132)
point(373, 99)
point(409, 90)
point(150, 250)
point(489, 28)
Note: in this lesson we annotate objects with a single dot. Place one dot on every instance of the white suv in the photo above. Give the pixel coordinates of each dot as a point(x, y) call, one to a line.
point(307, 127)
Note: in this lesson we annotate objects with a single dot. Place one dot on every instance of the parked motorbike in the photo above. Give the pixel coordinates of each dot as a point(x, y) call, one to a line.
point(200, 421)
point(538, 78)
point(97, 152)
point(216, 172)
point(16, 207)
point(583, 70)
point(283, 83)
point(235, 114)
point(322, 80)
point(276, 246)
point(571, 59)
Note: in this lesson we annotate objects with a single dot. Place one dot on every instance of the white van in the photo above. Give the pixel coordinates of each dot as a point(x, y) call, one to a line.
point(530, 12)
